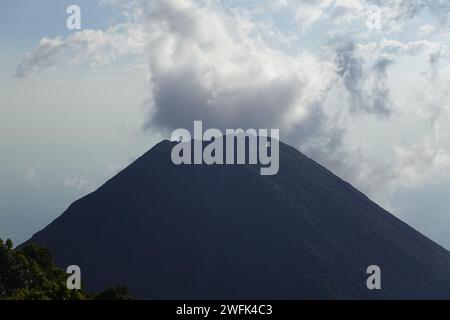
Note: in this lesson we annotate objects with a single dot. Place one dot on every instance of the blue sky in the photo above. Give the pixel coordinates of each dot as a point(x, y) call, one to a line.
point(26, 21)
point(369, 102)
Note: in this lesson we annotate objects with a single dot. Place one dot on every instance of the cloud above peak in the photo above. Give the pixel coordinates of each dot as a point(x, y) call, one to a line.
point(216, 69)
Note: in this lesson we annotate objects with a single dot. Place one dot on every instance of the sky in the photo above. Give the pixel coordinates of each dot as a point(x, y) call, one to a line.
point(361, 86)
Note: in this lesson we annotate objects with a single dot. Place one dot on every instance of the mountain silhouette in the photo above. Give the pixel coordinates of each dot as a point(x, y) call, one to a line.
point(226, 232)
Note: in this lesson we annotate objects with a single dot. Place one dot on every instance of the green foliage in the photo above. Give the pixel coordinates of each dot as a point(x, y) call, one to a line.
point(31, 274)
point(114, 293)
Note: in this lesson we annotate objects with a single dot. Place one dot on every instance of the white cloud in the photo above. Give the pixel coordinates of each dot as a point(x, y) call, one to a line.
point(95, 47)
point(427, 29)
point(215, 69)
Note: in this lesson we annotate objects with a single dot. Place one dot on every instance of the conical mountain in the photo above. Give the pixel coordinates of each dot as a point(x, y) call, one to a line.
point(225, 231)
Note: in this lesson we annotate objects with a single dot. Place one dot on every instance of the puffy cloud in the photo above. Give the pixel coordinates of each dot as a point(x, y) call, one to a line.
point(95, 47)
point(350, 69)
point(407, 9)
point(395, 47)
point(393, 14)
point(421, 163)
point(215, 69)
point(309, 12)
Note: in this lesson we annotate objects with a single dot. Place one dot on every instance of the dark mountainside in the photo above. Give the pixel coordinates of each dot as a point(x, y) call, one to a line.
point(213, 232)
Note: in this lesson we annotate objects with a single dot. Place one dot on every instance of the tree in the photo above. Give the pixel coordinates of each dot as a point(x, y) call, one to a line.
point(31, 274)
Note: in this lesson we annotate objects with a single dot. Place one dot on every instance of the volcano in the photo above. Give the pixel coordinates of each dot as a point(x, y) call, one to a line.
point(226, 232)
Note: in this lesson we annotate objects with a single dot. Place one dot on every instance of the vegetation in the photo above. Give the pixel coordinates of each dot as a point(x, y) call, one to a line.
point(31, 274)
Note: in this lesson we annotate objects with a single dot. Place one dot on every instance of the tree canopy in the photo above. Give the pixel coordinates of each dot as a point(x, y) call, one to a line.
point(30, 274)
